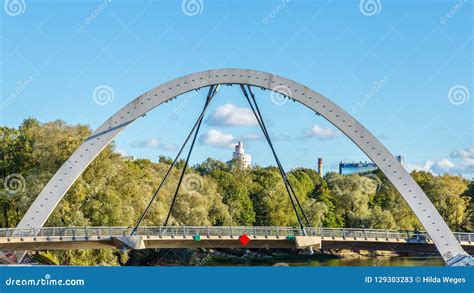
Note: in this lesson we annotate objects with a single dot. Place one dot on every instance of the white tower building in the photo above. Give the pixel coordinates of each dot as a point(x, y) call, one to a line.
point(239, 153)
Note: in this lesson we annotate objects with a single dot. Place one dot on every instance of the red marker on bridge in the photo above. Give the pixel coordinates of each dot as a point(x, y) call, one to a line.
point(244, 239)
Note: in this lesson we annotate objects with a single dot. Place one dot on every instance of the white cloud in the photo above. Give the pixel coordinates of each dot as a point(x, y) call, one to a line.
point(147, 143)
point(464, 168)
point(122, 152)
point(435, 167)
point(445, 164)
point(169, 147)
point(154, 143)
point(322, 133)
point(467, 153)
point(462, 164)
point(218, 139)
point(232, 115)
point(468, 162)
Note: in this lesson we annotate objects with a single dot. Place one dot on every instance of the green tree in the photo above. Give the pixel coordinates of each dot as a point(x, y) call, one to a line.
point(352, 194)
point(235, 195)
point(448, 195)
point(270, 200)
point(210, 165)
point(332, 219)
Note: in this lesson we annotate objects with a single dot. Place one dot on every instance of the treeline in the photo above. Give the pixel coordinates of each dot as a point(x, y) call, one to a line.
point(114, 192)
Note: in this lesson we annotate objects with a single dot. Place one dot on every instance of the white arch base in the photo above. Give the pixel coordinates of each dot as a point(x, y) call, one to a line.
point(446, 243)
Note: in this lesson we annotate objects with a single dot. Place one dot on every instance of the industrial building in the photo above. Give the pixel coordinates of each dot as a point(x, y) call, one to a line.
point(346, 168)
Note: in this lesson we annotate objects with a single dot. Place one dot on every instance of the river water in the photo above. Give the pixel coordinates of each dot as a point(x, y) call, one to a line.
point(324, 260)
point(370, 261)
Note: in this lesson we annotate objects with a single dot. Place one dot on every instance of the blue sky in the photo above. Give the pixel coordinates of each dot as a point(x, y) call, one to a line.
point(404, 70)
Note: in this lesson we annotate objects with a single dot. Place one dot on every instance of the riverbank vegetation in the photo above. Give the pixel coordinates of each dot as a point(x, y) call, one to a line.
point(114, 192)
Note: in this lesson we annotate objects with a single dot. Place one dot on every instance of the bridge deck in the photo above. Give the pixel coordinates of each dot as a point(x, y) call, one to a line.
point(63, 238)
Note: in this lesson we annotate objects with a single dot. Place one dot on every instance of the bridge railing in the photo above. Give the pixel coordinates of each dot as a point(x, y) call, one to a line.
point(233, 231)
point(358, 233)
point(174, 231)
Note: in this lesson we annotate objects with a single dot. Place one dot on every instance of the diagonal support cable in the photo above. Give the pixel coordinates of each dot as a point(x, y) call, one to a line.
point(287, 183)
point(210, 95)
point(277, 159)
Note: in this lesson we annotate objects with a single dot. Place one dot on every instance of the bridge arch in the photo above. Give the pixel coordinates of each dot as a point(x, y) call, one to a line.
point(47, 200)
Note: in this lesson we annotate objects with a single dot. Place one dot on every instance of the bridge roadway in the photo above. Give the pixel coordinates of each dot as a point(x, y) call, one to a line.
point(65, 238)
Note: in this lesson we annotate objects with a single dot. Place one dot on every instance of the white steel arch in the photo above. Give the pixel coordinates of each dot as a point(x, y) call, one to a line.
point(44, 204)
